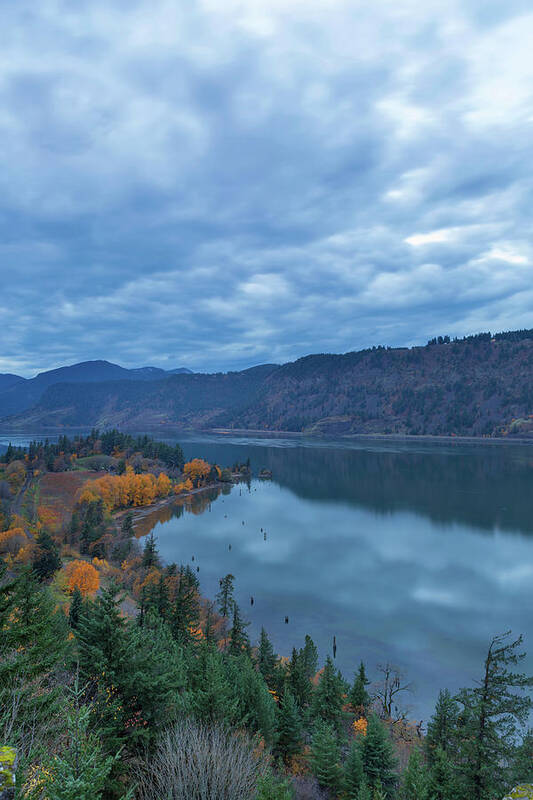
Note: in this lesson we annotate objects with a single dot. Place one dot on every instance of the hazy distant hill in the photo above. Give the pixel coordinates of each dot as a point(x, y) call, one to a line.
point(481, 385)
point(18, 394)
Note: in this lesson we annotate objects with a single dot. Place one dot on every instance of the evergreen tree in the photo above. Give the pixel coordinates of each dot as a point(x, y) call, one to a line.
point(256, 706)
point(491, 717)
point(127, 526)
point(325, 757)
point(523, 760)
point(81, 771)
point(225, 595)
point(33, 645)
point(213, 695)
point(442, 725)
point(266, 659)
point(76, 608)
point(185, 611)
point(353, 773)
point(300, 685)
point(415, 779)
point(271, 788)
point(101, 636)
point(46, 560)
point(150, 553)
point(329, 695)
point(359, 697)
point(377, 752)
point(379, 792)
point(289, 727)
point(441, 777)
point(364, 792)
point(309, 658)
point(238, 638)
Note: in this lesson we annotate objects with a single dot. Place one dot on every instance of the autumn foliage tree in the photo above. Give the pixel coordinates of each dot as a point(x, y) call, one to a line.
point(83, 575)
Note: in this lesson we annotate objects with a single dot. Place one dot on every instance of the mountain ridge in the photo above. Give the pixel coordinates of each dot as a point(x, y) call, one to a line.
point(481, 385)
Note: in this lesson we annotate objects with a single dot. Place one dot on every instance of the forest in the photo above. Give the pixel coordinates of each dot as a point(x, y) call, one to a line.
point(119, 679)
point(476, 386)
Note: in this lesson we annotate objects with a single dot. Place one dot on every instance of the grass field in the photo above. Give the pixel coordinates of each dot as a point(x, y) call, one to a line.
point(58, 491)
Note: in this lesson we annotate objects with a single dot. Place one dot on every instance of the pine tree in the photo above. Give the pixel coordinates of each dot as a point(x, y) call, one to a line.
point(359, 697)
point(213, 695)
point(225, 595)
point(379, 762)
point(415, 779)
point(266, 659)
point(33, 645)
point(76, 608)
point(442, 725)
point(364, 792)
point(81, 771)
point(150, 553)
point(256, 706)
point(523, 760)
point(127, 526)
point(185, 611)
point(309, 658)
point(491, 717)
point(238, 638)
point(289, 727)
point(329, 695)
point(101, 636)
point(300, 685)
point(441, 777)
point(353, 773)
point(325, 757)
point(46, 560)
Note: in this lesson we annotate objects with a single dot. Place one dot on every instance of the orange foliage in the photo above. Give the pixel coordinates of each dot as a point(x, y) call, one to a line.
point(48, 517)
point(197, 469)
point(129, 489)
point(84, 576)
point(359, 726)
point(12, 540)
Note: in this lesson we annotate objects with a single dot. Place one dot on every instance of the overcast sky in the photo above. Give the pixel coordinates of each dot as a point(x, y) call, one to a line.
point(220, 183)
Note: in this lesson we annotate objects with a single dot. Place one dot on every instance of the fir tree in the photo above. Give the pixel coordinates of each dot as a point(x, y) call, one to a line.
point(325, 757)
point(329, 695)
point(238, 638)
point(364, 792)
point(491, 717)
point(150, 553)
point(377, 752)
point(76, 608)
point(266, 659)
point(213, 695)
point(185, 611)
point(359, 697)
point(271, 788)
point(442, 725)
point(300, 685)
point(127, 526)
point(353, 773)
point(415, 779)
point(379, 792)
point(46, 560)
point(309, 658)
point(225, 595)
point(289, 727)
point(256, 706)
point(81, 771)
point(441, 777)
point(101, 636)
point(523, 760)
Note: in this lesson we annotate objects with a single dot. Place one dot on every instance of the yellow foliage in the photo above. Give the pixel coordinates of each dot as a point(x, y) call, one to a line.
point(197, 470)
point(84, 576)
point(359, 726)
point(129, 489)
point(12, 540)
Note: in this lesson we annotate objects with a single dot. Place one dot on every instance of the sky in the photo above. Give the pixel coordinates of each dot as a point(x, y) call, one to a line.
point(221, 183)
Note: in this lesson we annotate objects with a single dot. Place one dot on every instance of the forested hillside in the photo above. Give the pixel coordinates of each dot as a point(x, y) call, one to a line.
point(481, 385)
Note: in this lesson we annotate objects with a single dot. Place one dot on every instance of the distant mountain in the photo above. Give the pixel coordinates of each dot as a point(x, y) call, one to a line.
point(22, 394)
point(7, 380)
point(189, 400)
point(478, 386)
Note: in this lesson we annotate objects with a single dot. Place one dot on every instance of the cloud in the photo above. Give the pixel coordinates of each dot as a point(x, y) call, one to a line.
point(219, 184)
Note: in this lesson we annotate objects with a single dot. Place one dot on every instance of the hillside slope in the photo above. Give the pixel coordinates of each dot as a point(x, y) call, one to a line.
point(18, 394)
point(478, 386)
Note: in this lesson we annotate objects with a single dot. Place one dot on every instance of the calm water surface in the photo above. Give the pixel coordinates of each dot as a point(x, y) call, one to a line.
point(414, 554)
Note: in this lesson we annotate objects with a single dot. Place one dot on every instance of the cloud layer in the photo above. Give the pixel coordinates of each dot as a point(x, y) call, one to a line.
point(216, 184)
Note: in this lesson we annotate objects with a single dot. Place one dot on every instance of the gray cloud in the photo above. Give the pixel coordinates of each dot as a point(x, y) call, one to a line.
point(220, 184)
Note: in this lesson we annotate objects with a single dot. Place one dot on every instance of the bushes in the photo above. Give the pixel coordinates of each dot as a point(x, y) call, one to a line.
point(200, 762)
